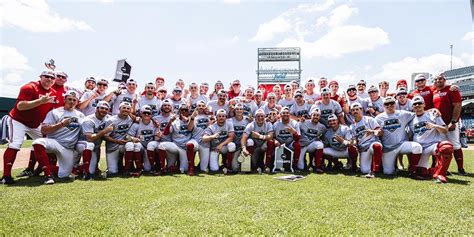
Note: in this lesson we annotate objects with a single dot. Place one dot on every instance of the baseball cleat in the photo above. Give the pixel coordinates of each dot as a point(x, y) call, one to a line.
point(370, 175)
point(267, 170)
point(462, 172)
point(441, 179)
point(25, 173)
point(259, 170)
point(319, 171)
point(104, 174)
point(225, 171)
point(87, 177)
point(7, 180)
point(48, 180)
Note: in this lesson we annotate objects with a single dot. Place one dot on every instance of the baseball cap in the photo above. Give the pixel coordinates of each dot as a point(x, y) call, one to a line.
point(146, 108)
point(183, 106)
point(131, 81)
point(372, 89)
point(103, 81)
point(162, 88)
point(222, 92)
point(351, 87)
point(325, 90)
point(239, 106)
point(205, 84)
point(418, 99)
point(356, 105)
point(332, 117)
point(159, 78)
point(258, 92)
point(260, 111)
point(401, 91)
point(104, 104)
point(221, 111)
point(389, 99)
point(218, 82)
point(316, 111)
point(309, 81)
point(333, 83)
point(48, 73)
point(402, 82)
point(61, 73)
point(166, 102)
point(298, 93)
point(323, 79)
point(125, 103)
point(150, 84)
point(285, 109)
point(420, 77)
point(361, 82)
point(71, 93)
point(91, 79)
point(177, 89)
point(236, 82)
point(295, 82)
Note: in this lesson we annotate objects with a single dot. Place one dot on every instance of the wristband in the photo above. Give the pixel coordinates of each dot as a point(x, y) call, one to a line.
point(345, 142)
point(453, 121)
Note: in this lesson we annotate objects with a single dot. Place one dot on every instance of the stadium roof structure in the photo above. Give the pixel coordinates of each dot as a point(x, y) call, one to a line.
point(461, 72)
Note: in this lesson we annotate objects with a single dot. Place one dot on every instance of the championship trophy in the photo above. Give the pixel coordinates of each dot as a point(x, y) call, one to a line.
point(283, 159)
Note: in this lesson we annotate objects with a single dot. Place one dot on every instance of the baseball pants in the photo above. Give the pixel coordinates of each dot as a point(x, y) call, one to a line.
point(388, 158)
point(65, 156)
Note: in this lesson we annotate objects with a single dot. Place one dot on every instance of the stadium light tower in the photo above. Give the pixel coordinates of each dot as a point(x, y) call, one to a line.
point(451, 47)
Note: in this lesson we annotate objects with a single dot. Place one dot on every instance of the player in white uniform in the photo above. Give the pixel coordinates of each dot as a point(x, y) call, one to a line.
point(394, 138)
point(338, 137)
point(428, 130)
point(89, 100)
point(149, 99)
point(327, 107)
point(239, 122)
point(162, 120)
point(195, 96)
point(311, 133)
point(366, 132)
point(300, 108)
point(115, 140)
point(286, 132)
point(177, 99)
point(375, 102)
point(182, 145)
point(271, 104)
point(353, 98)
point(249, 106)
point(124, 95)
point(62, 127)
point(220, 103)
point(361, 85)
point(220, 137)
point(257, 140)
point(403, 103)
point(201, 122)
point(94, 129)
point(288, 101)
point(309, 95)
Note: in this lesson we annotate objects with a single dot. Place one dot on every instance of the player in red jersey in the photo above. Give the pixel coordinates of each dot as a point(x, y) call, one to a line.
point(448, 102)
point(424, 91)
point(34, 101)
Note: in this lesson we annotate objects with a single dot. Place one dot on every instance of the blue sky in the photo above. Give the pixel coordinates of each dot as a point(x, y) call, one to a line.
point(218, 40)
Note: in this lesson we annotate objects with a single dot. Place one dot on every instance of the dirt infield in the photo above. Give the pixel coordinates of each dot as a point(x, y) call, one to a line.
point(24, 155)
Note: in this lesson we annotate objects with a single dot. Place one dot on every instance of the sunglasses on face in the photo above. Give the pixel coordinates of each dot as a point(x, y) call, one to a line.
point(351, 90)
point(420, 81)
point(146, 113)
point(236, 85)
point(177, 92)
point(102, 84)
point(49, 77)
point(389, 104)
point(417, 104)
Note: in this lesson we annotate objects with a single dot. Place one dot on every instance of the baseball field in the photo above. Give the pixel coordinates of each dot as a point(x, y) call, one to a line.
point(332, 203)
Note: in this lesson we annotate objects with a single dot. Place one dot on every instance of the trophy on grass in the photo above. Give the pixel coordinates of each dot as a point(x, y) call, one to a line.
point(283, 159)
point(245, 162)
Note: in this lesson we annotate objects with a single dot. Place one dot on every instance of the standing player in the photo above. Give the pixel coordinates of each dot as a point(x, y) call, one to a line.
point(448, 102)
point(300, 109)
point(361, 85)
point(327, 107)
point(309, 95)
point(194, 97)
point(311, 134)
point(287, 133)
point(116, 139)
point(352, 97)
point(177, 99)
point(257, 140)
point(62, 127)
point(89, 100)
point(366, 131)
point(94, 129)
point(248, 104)
point(34, 101)
point(60, 87)
point(288, 101)
point(201, 122)
point(403, 103)
point(395, 139)
point(220, 103)
point(220, 137)
point(149, 99)
point(235, 91)
point(124, 95)
point(375, 106)
point(338, 137)
point(270, 104)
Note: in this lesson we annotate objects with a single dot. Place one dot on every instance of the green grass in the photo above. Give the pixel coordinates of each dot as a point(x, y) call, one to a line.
point(339, 204)
point(26, 144)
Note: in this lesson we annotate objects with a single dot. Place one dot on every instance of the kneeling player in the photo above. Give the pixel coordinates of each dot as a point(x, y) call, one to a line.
point(339, 139)
point(366, 131)
point(286, 132)
point(311, 134)
point(240, 122)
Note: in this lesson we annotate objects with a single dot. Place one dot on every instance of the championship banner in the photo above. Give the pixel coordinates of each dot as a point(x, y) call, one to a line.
point(122, 73)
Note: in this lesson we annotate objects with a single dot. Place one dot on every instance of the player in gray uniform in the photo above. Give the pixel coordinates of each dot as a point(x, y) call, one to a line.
point(124, 95)
point(182, 145)
point(257, 139)
point(286, 132)
point(62, 127)
point(428, 130)
point(89, 100)
point(403, 103)
point(271, 104)
point(394, 138)
point(375, 102)
point(177, 99)
point(309, 95)
point(220, 137)
point(201, 122)
point(300, 108)
point(311, 133)
point(366, 132)
point(361, 85)
point(149, 99)
point(220, 103)
point(161, 120)
point(94, 129)
point(288, 101)
point(116, 140)
point(353, 98)
point(327, 106)
point(259, 99)
point(338, 138)
point(249, 106)
point(195, 97)
point(240, 122)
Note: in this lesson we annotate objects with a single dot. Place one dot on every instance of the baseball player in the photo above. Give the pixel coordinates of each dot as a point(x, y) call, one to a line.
point(94, 129)
point(257, 140)
point(259, 99)
point(323, 82)
point(220, 103)
point(89, 100)
point(286, 132)
point(361, 85)
point(117, 138)
point(394, 138)
point(177, 99)
point(182, 143)
point(327, 107)
point(403, 103)
point(338, 137)
point(288, 100)
point(128, 95)
point(194, 97)
point(203, 89)
point(375, 102)
point(239, 122)
point(234, 90)
point(352, 97)
point(271, 104)
point(152, 149)
point(249, 106)
point(334, 86)
point(277, 91)
point(34, 101)
point(218, 86)
point(62, 127)
point(300, 108)
point(444, 154)
point(60, 87)
point(366, 131)
point(448, 102)
point(142, 133)
point(201, 122)
point(220, 137)
point(309, 95)
point(149, 99)
point(428, 130)
point(311, 133)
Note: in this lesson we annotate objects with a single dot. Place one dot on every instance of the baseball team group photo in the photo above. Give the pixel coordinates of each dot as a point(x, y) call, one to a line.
point(182, 146)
